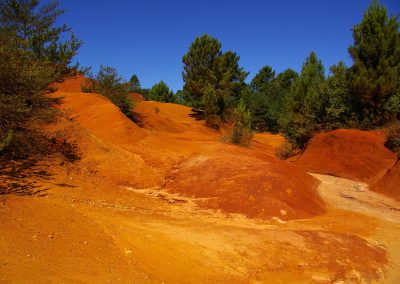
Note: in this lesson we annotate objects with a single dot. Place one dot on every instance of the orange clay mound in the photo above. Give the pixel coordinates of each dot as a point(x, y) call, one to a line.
point(389, 184)
point(352, 154)
point(237, 180)
point(137, 97)
point(242, 182)
point(73, 84)
point(118, 215)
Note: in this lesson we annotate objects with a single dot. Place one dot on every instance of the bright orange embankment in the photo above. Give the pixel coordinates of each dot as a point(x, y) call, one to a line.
point(114, 216)
point(179, 154)
point(389, 184)
point(347, 153)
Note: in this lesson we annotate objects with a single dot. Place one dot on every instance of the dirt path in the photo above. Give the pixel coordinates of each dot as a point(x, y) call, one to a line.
point(92, 231)
point(355, 196)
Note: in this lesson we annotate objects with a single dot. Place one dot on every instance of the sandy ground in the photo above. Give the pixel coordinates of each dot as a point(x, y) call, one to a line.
point(85, 231)
point(355, 196)
point(172, 203)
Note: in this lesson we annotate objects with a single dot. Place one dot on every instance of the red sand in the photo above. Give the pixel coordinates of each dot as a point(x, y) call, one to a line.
point(237, 180)
point(90, 229)
point(73, 84)
point(352, 154)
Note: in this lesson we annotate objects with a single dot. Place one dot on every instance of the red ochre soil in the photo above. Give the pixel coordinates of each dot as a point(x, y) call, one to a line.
point(389, 184)
point(347, 153)
point(171, 202)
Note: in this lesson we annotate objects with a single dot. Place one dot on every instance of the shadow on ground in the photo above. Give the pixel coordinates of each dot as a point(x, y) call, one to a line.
point(22, 178)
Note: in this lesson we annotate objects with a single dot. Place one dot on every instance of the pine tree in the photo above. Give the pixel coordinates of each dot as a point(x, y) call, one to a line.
point(134, 84)
point(161, 92)
point(262, 79)
point(33, 54)
point(305, 109)
point(34, 25)
point(205, 65)
point(376, 55)
point(340, 101)
point(109, 83)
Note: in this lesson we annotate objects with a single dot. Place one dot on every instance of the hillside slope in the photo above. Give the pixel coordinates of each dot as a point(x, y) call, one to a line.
point(170, 202)
point(170, 141)
point(348, 153)
point(389, 184)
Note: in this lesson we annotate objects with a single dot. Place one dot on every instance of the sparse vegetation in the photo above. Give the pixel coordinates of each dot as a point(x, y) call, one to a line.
point(241, 132)
point(161, 92)
point(110, 84)
point(365, 96)
point(285, 150)
point(393, 137)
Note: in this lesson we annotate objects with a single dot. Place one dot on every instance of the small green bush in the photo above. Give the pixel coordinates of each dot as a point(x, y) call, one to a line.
point(393, 137)
point(242, 133)
point(109, 83)
point(211, 109)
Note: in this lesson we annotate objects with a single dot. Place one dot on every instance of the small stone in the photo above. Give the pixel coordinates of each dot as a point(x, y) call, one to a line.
point(85, 243)
point(50, 236)
point(283, 212)
point(128, 251)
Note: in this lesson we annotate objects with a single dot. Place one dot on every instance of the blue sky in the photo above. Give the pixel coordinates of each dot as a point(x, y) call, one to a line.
point(149, 37)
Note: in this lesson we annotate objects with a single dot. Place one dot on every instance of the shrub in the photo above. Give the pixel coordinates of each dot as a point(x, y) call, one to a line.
point(211, 108)
point(109, 83)
point(160, 92)
point(285, 150)
point(241, 132)
point(393, 137)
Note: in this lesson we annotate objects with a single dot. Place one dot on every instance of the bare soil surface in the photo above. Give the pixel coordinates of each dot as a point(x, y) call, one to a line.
point(170, 202)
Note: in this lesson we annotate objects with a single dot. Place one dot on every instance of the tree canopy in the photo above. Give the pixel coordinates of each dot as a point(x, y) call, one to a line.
point(376, 55)
point(33, 54)
point(161, 92)
point(205, 66)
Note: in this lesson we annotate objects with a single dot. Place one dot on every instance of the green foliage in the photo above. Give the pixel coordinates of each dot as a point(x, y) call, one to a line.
point(306, 103)
point(241, 132)
point(110, 84)
point(160, 92)
point(262, 80)
point(338, 111)
point(393, 137)
point(134, 84)
point(392, 107)
point(266, 96)
point(33, 54)
point(205, 65)
point(212, 109)
point(376, 70)
point(35, 28)
point(183, 97)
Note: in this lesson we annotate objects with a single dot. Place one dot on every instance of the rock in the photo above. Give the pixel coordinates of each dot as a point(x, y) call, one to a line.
point(50, 236)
